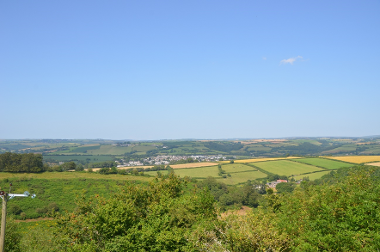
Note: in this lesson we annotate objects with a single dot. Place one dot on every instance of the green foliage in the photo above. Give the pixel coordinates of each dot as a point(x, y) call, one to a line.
point(54, 194)
point(13, 162)
point(231, 196)
point(38, 236)
point(254, 232)
point(340, 217)
point(12, 236)
point(154, 218)
point(224, 146)
point(285, 187)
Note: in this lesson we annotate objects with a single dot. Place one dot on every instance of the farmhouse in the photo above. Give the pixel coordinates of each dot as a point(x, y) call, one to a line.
point(274, 183)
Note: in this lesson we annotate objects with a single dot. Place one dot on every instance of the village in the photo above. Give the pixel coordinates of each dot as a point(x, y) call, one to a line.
point(171, 159)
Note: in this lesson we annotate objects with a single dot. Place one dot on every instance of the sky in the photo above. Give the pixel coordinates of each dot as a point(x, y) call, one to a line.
point(148, 70)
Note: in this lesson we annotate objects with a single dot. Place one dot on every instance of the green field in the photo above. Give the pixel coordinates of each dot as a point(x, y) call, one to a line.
point(85, 149)
point(312, 176)
point(232, 168)
point(68, 158)
point(285, 167)
point(70, 175)
point(201, 172)
point(242, 177)
point(325, 163)
point(240, 173)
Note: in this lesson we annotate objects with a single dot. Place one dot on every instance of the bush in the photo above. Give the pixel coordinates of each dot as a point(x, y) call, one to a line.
point(15, 209)
point(157, 217)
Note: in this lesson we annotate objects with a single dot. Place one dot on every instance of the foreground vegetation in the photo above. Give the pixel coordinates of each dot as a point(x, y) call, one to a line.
point(339, 212)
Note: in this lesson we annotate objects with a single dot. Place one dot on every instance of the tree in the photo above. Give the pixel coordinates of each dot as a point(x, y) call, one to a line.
point(159, 217)
point(285, 187)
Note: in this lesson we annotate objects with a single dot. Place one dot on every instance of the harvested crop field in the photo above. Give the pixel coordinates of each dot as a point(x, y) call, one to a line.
point(285, 167)
point(374, 164)
point(325, 163)
point(357, 159)
point(193, 165)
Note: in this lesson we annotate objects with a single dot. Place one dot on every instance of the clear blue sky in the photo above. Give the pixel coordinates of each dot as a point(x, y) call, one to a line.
point(189, 69)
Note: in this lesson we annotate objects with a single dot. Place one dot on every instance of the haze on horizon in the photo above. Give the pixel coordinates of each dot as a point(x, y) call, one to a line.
point(189, 70)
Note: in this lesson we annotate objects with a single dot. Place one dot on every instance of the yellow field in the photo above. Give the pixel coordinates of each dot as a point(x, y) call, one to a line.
point(253, 160)
point(193, 165)
point(71, 175)
point(374, 164)
point(356, 159)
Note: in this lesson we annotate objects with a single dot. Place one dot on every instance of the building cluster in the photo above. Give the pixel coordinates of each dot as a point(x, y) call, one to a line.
point(273, 184)
point(165, 160)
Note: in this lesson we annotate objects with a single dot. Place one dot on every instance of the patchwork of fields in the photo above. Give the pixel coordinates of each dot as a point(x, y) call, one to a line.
point(324, 163)
point(288, 168)
point(254, 160)
point(250, 169)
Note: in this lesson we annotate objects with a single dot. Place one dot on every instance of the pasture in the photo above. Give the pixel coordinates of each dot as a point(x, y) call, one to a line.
point(285, 167)
point(312, 176)
point(192, 165)
point(357, 159)
point(124, 167)
point(233, 168)
point(70, 175)
point(254, 160)
point(200, 172)
point(83, 158)
point(324, 163)
point(242, 177)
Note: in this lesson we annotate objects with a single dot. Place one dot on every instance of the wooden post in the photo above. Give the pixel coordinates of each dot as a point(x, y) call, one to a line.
point(3, 222)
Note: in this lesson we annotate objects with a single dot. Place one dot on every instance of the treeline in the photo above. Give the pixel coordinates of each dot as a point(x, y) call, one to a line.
point(229, 197)
point(29, 162)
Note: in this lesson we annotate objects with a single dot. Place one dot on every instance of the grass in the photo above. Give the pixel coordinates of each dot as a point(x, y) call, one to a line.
point(70, 175)
point(202, 172)
point(67, 158)
point(120, 150)
point(62, 192)
point(38, 236)
point(253, 160)
point(240, 173)
point(357, 159)
point(312, 176)
point(324, 163)
point(85, 148)
point(285, 167)
point(193, 165)
point(232, 168)
point(241, 177)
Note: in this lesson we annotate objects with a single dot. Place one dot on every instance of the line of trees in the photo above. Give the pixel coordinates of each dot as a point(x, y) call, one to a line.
point(13, 162)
